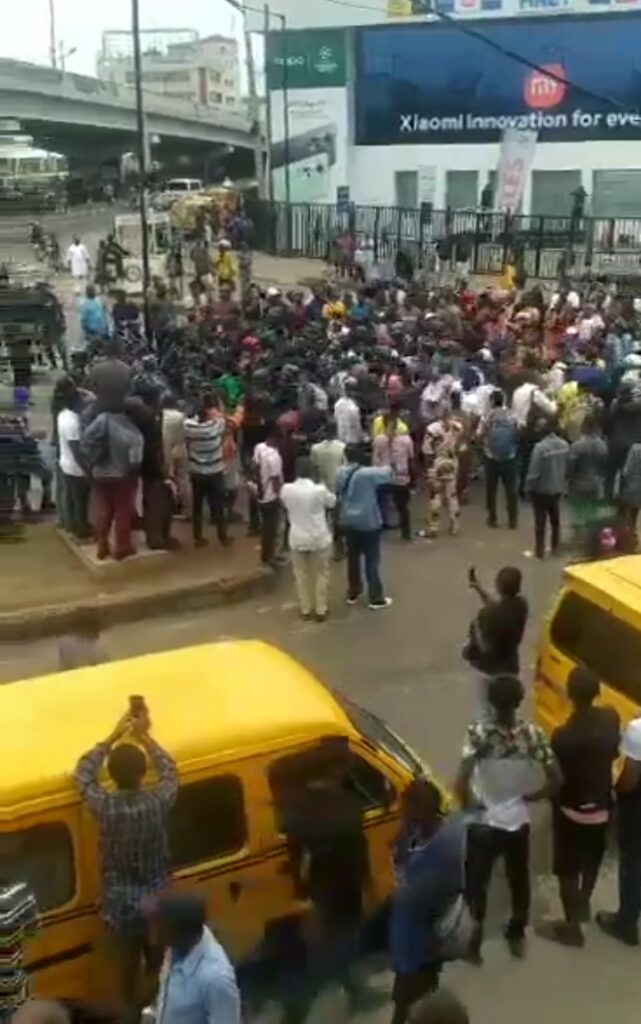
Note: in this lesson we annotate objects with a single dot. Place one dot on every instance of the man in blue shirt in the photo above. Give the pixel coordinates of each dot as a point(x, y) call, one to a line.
point(93, 316)
point(197, 981)
point(360, 517)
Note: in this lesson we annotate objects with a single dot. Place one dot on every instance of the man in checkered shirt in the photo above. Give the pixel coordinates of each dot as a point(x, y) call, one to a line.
point(133, 840)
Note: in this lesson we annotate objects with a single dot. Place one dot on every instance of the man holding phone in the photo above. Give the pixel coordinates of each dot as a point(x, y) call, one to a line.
point(134, 849)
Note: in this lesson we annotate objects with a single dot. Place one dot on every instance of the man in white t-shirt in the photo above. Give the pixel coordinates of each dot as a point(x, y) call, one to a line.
point(268, 480)
point(79, 263)
point(74, 500)
point(310, 540)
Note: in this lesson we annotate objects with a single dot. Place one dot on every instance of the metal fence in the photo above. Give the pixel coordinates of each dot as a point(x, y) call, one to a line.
point(484, 240)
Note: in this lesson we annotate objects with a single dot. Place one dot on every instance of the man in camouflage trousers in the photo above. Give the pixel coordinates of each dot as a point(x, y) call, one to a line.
point(440, 448)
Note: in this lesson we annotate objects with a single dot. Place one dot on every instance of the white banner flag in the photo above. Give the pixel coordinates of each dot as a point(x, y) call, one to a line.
point(515, 161)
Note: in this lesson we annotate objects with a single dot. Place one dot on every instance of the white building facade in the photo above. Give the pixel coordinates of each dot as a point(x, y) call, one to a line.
point(413, 110)
point(178, 63)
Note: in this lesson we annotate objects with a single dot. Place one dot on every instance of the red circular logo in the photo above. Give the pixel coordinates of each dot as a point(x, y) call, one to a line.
point(541, 91)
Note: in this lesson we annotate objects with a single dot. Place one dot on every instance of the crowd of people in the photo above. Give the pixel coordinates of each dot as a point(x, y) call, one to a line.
point(323, 421)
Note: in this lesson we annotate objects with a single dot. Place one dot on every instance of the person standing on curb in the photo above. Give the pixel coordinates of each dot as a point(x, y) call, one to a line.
point(500, 436)
point(267, 465)
point(310, 540)
point(204, 437)
point(545, 484)
point(360, 517)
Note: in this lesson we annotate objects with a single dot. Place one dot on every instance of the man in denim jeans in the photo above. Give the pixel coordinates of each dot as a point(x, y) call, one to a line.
point(360, 517)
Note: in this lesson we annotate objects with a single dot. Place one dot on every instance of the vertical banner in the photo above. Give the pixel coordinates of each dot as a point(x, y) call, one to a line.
point(427, 184)
point(515, 161)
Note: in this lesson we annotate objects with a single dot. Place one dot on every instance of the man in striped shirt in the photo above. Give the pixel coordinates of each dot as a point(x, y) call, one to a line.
point(204, 437)
point(18, 919)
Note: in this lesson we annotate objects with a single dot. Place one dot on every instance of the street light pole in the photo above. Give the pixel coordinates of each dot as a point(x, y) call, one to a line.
point(142, 162)
point(52, 33)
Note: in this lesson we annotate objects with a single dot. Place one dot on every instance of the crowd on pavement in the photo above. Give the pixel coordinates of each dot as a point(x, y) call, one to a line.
point(333, 418)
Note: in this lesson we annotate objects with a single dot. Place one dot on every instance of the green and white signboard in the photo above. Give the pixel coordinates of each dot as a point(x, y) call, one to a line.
point(315, 58)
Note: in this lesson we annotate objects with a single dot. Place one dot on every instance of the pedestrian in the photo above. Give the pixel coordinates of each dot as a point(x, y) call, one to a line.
point(113, 448)
point(245, 261)
point(18, 921)
point(134, 851)
point(224, 266)
point(360, 519)
point(587, 467)
point(81, 646)
point(328, 456)
point(499, 753)
point(347, 414)
point(630, 488)
point(545, 484)
point(586, 747)
point(79, 263)
point(440, 1007)
point(197, 981)
point(204, 439)
point(497, 630)
point(623, 924)
point(429, 863)
point(158, 496)
point(174, 442)
point(440, 450)
point(73, 500)
point(500, 437)
point(396, 451)
point(267, 469)
point(329, 858)
point(94, 319)
point(529, 404)
point(307, 504)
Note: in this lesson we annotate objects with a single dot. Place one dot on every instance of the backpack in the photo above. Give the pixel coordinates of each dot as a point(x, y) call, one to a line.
point(455, 929)
point(501, 437)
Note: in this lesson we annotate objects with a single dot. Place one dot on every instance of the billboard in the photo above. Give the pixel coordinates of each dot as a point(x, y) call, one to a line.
point(317, 151)
point(315, 58)
point(434, 83)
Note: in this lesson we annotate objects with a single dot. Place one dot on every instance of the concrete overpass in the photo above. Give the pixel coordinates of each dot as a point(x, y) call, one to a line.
point(71, 112)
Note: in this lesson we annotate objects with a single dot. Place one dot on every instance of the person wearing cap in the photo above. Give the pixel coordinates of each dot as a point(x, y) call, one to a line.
point(499, 754)
point(224, 266)
point(197, 981)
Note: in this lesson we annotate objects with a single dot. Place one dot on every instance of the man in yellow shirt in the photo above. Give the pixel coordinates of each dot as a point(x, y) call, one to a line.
point(224, 266)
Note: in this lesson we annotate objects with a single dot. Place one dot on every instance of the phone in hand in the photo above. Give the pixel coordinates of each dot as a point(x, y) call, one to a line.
point(471, 576)
point(137, 707)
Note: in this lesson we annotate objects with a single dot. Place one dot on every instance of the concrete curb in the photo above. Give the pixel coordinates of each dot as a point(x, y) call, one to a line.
point(53, 620)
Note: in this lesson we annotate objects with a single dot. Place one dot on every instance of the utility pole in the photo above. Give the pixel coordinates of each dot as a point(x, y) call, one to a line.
point(142, 163)
point(268, 110)
point(52, 33)
point(254, 103)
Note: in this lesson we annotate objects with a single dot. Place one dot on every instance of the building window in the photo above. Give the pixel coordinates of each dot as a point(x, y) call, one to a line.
point(552, 192)
point(215, 77)
point(208, 821)
point(461, 190)
point(42, 857)
point(229, 83)
point(230, 101)
point(215, 97)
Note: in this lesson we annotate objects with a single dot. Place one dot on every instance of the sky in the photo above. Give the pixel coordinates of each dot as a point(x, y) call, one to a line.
point(80, 23)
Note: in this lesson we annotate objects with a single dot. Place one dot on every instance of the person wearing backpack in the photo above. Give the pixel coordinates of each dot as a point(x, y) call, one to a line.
point(113, 448)
point(360, 517)
point(500, 435)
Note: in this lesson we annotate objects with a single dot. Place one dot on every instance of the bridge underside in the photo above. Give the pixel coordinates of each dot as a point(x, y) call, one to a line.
point(91, 148)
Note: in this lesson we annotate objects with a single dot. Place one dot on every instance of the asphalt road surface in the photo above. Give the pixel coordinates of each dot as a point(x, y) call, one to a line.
point(405, 664)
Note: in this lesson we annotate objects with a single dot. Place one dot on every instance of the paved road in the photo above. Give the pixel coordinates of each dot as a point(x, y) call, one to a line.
point(405, 664)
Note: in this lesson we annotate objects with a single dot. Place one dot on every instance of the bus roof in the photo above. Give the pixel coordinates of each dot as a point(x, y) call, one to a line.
point(618, 578)
point(209, 702)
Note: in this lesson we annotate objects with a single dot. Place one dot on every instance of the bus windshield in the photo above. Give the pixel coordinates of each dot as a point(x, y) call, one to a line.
point(378, 734)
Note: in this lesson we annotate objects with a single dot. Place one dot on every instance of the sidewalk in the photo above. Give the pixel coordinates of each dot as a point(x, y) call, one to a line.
point(45, 584)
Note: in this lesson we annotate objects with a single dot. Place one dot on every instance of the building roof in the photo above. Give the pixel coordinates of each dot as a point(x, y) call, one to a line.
point(210, 702)
point(216, 38)
point(618, 578)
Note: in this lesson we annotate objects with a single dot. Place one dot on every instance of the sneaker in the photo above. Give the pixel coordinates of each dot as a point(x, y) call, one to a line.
point(610, 924)
point(385, 603)
point(320, 616)
point(492, 523)
point(226, 542)
point(201, 542)
point(563, 932)
point(515, 944)
point(352, 600)
point(306, 616)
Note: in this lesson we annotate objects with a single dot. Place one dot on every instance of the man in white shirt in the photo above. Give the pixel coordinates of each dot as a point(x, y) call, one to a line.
point(348, 417)
point(267, 466)
point(527, 399)
point(79, 263)
point(310, 540)
point(74, 499)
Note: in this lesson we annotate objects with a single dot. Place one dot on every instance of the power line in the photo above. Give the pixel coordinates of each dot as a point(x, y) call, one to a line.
point(505, 51)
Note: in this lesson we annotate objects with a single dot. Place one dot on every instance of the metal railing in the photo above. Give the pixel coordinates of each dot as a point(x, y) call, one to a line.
point(482, 239)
